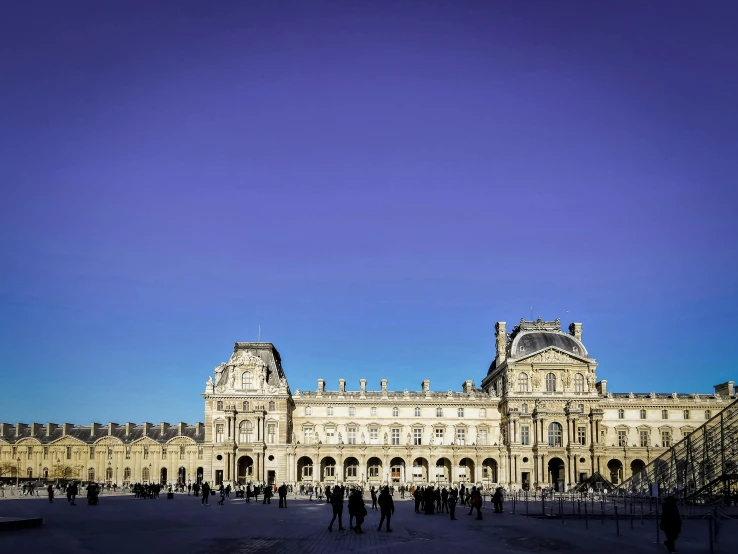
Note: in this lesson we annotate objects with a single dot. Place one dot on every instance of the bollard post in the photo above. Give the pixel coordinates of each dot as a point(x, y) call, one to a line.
point(586, 520)
point(514, 503)
point(543, 506)
point(579, 508)
point(709, 528)
point(602, 511)
point(561, 510)
point(526, 506)
point(657, 522)
point(617, 522)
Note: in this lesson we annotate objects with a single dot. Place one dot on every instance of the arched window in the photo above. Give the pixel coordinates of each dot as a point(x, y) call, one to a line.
point(395, 411)
point(579, 383)
point(245, 432)
point(246, 382)
point(144, 474)
point(554, 434)
point(708, 414)
point(524, 408)
point(417, 412)
point(550, 382)
point(29, 472)
point(643, 414)
point(621, 414)
point(272, 406)
point(245, 407)
point(91, 474)
point(523, 382)
point(46, 473)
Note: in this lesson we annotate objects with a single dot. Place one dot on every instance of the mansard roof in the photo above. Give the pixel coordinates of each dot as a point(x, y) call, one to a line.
point(127, 434)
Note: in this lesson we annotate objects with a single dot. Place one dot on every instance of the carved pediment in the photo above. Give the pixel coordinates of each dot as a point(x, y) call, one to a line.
point(552, 356)
point(108, 441)
point(67, 441)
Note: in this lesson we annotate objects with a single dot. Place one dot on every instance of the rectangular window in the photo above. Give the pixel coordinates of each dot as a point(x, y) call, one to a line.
point(582, 435)
point(461, 412)
point(164, 453)
point(13, 450)
point(219, 405)
point(439, 412)
point(417, 436)
point(272, 433)
point(199, 453)
point(352, 411)
point(373, 435)
point(181, 452)
point(330, 435)
point(439, 435)
point(461, 437)
point(664, 414)
point(307, 471)
point(69, 452)
point(352, 435)
point(309, 435)
point(29, 453)
point(373, 410)
point(128, 452)
point(330, 471)
point(219, 432)
point(46, 452)
point(110, 453)
point(524, 434)
point(665, 439)
point(622, 438)
point(146, 453)
point(351, 471)
point(482, 412)
point(482, 437)
point(686, 414)
point(308, 410)
point(395, 437)
point(644, 438)
point(373, 471)
point(329, 410)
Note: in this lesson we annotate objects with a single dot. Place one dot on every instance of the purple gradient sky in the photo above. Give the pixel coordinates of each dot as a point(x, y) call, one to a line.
point(374, 183)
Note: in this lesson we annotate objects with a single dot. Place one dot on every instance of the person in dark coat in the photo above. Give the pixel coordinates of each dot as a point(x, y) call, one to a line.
point(356, 510)
point(205, 494)
point(336, 500)
point(671, 523)
point(50, 490)
point(418, 495)
point(282, 496)
point(453, 498)
point(497, 500)
point(428, 501)
point(267, 495)
point(374, 498)
point(327, 494)
point(475, 500)
point(386, 508)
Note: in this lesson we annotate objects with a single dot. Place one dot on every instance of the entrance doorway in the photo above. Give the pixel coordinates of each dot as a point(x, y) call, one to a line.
point(526, 480)
point(200, 473)
point(556, 474)
point(182, 476)
point(218, 477)
point(245, 469)
point(271, 477)
point(163, 476)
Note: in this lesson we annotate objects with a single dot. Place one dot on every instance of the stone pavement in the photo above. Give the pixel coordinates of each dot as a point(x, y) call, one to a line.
point(183, 525)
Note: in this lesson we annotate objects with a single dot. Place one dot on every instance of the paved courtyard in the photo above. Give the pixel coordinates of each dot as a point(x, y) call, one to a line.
point(122, 524)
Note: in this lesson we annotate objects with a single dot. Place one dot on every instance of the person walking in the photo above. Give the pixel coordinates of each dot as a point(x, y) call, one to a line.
point(267, 495)
point(73, 492)
point(357, 510)
point(418, 495)
point(282, 496)
point(386, 508)
point(50, 490)
point(475, 501)
point(205, 494)
point(453, 498)
point(374, 498)
point(336, 500)
point(497, 498)
point(222, 492)
point(671, 523)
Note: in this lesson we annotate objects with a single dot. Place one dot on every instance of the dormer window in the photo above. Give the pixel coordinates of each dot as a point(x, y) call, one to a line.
point(246, 382)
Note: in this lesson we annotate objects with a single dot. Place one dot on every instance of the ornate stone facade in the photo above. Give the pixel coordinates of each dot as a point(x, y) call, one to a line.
point(540, 417)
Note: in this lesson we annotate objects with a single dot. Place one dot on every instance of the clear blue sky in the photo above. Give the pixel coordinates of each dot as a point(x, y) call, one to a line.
point(374, 183)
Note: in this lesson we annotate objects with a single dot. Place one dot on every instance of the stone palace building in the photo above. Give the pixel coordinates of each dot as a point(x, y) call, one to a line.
point(541, 417)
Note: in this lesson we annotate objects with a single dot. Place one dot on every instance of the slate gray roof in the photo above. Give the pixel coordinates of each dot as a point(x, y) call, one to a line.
point(47, 433)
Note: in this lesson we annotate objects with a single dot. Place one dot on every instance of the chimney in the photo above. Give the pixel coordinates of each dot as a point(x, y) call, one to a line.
point(163, 426)
point(181, 428)
point(35, 428)
point(342, 386)
point(602, 387)
point(321, 387)
point(19, 428)
point(112, 427)
point(575, 330)
point(94, 428)
point(200, 428)
point(146, 428)
point(725, 389)
point(425, 385)
point(4, 428)
point(66, 428)
point(129, 427)
point(50, 428)
point(362, 386)
point(500, 342)
point(467, 386)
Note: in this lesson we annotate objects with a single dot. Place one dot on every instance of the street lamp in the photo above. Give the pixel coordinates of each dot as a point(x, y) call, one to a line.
point(17, 472)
